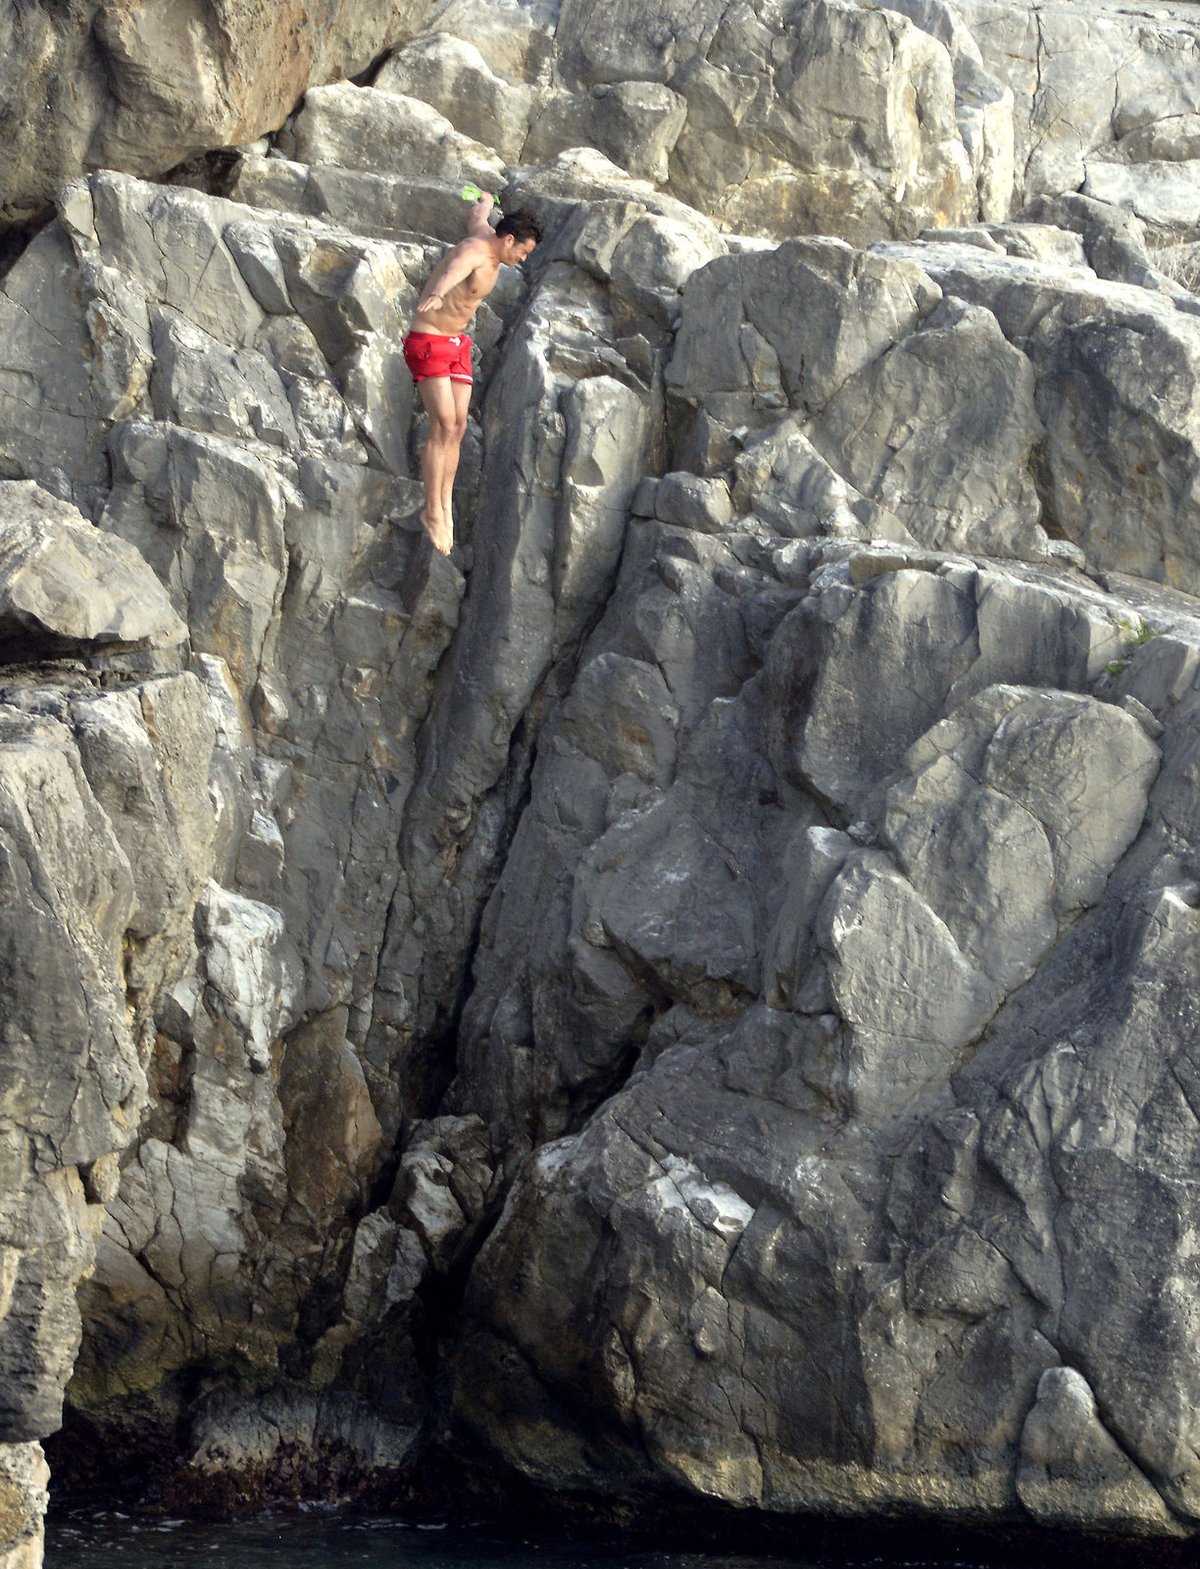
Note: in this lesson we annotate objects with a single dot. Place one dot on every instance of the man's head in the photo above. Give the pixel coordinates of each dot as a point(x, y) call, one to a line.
point(520, 231)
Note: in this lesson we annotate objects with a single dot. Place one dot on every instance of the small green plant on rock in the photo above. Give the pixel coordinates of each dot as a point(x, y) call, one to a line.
point(1135, 634)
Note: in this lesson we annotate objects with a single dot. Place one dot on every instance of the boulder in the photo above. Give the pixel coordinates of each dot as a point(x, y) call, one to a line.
point(1066, 1452)
point(379, 132)
point(127, 87)
point(1116, 472)
point(452, 75)
point(940, 431)
point(785, 328)
point(67, 587)
point(636, 124)
point(1156, 191)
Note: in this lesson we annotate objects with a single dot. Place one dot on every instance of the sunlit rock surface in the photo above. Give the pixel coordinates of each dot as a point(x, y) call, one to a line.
point(146, 85)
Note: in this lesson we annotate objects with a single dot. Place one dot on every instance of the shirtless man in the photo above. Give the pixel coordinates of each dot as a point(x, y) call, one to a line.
point(438, 352)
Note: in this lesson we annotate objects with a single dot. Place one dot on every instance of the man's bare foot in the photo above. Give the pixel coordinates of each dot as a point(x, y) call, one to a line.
point(439, 529)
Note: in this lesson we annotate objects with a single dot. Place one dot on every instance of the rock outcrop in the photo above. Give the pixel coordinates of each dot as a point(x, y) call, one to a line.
point(147, 85)
point(701, 982)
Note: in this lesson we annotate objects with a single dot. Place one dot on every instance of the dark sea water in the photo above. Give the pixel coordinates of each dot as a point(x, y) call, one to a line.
point(112, 1540)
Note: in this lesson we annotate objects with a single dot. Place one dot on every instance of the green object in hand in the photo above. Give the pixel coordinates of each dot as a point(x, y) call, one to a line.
point(472, 193)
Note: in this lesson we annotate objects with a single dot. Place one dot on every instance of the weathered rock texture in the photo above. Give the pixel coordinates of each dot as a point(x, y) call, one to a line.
point(707, 975)
point(143, 85)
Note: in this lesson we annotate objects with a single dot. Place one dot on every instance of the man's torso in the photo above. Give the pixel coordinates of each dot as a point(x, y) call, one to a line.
point(461, 301)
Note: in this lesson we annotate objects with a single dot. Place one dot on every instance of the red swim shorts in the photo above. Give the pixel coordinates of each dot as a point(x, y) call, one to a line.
point(436, 354)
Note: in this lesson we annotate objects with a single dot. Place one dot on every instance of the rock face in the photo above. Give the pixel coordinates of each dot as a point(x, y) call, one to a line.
point(144, 85)
point(777, 1267)
point(702, 982)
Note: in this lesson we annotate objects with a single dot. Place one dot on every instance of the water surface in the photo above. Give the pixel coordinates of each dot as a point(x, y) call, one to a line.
point(113, 1540)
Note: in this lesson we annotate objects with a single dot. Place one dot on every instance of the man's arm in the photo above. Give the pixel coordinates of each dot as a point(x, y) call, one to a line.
point(478, 227)
point(459, 264)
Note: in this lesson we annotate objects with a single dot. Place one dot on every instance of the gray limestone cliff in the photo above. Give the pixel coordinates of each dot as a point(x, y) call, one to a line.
point(694, 997)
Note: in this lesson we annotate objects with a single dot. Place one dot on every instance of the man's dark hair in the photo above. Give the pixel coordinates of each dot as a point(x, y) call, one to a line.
point(521, 225)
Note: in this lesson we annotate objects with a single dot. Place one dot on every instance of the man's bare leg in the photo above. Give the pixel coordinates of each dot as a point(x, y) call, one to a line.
point(460, 391)
point(441, 450)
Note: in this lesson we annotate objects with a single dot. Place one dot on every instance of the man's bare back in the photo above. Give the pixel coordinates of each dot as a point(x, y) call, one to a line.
point(437, 349)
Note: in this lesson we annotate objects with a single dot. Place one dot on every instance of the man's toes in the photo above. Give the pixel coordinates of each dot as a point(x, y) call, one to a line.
point(440, 530)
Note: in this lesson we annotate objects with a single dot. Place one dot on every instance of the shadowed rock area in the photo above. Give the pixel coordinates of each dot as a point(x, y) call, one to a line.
point(694, 996)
